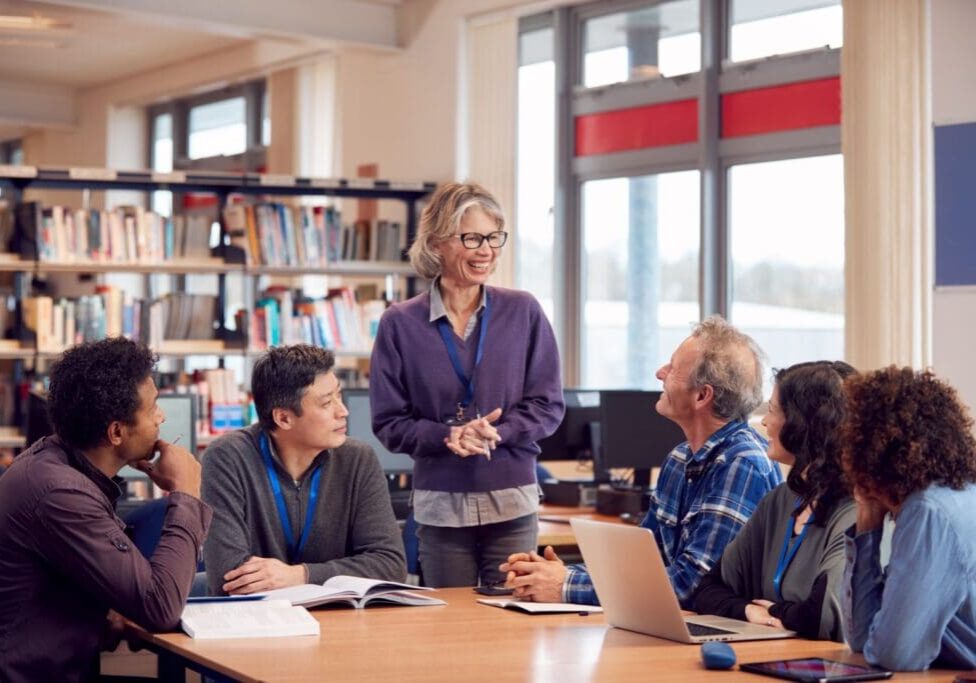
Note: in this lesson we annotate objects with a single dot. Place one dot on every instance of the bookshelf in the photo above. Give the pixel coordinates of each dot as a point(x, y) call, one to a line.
point(223, 260)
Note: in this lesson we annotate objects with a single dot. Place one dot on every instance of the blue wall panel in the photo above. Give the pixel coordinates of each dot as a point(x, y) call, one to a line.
point(955, 205)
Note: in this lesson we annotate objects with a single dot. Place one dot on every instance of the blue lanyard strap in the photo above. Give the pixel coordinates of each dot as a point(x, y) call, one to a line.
point(447, 334)
point(787, 553)
point(294, 550)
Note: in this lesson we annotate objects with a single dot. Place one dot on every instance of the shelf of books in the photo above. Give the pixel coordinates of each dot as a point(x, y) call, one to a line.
point(249, 229)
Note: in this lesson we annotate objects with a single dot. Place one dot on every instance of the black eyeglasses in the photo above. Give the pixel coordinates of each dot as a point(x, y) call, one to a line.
point(473, 240)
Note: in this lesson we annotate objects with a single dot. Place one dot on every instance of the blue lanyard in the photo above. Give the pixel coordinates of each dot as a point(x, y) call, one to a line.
point(294, 550)
point(787, 553)
point(447, 334)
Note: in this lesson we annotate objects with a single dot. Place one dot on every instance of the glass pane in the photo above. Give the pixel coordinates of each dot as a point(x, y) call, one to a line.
point(640, 275)
point(759, 28)
point(162, 160)
point(786, 222)
point(662, 40)
point(218, 128)
point(536, 166)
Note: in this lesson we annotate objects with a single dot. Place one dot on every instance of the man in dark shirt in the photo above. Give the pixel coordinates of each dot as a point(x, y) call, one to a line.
point(65, 560)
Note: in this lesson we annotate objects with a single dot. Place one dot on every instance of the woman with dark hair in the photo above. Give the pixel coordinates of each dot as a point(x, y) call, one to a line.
point(909, 452)
point(782, 568)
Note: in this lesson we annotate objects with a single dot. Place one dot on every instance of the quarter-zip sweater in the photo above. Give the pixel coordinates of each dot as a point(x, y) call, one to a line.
point(354, 531)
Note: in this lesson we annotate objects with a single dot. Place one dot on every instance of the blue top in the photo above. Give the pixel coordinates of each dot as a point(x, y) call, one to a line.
point(701, 501)
point(413, 388)
point(923, 607)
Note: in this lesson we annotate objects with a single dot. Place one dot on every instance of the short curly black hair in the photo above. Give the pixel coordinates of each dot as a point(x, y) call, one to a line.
point(906, 431)
point(814, 405)
point(94, 385)
point(281, 376)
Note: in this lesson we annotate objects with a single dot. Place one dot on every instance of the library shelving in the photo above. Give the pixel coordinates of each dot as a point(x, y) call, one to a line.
point(227, 258)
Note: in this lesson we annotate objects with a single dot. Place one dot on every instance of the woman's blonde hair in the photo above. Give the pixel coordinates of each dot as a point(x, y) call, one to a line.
point(440, 220)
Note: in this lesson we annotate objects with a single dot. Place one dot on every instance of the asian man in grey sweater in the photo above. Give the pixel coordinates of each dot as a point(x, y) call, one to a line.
point(295, 501)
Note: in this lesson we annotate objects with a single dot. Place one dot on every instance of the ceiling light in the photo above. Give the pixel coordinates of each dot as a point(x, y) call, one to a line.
point(36, 22)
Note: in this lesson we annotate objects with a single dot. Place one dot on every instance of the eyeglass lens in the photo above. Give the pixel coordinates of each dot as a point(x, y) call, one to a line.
point(473, 240)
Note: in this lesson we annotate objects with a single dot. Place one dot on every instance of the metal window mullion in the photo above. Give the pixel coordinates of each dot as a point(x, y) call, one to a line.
point(567, 248)
point(714, 283)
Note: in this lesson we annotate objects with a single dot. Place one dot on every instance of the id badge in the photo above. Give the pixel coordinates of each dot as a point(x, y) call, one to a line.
point(462, 415)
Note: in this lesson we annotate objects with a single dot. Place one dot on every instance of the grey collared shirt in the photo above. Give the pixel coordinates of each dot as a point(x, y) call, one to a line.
point(444, 508)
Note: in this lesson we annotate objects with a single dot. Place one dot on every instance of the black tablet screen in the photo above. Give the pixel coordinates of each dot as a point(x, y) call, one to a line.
point(816, 669)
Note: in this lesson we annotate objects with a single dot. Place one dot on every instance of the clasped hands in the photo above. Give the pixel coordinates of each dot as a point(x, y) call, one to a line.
point(535, 577)
point(477, 437)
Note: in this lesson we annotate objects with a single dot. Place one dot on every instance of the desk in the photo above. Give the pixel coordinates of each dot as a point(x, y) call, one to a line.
point(560, 534)
point(466, 642)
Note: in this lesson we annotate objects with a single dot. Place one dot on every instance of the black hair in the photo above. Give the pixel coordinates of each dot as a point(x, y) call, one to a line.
point(814, 406)
point(94, 385)
point(282, 375)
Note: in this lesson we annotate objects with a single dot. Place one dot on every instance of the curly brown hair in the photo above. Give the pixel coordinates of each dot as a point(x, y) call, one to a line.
point(906, 431)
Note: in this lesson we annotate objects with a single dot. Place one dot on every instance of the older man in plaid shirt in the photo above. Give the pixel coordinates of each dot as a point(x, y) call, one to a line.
point(708, 486)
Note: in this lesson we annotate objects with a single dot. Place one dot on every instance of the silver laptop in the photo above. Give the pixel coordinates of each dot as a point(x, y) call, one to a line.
point(635, 591)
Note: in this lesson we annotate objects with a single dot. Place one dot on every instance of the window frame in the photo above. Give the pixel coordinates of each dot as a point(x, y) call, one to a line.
point(710, 154)
point(253, 158)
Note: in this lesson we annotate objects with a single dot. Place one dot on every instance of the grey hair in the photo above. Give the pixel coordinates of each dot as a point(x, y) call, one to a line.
point(441, 218)
point(732, 364)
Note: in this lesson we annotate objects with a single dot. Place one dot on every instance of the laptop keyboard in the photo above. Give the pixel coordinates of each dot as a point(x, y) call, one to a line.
point(699, 630)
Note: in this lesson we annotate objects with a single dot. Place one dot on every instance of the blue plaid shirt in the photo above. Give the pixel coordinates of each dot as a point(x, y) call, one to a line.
point(701, 501)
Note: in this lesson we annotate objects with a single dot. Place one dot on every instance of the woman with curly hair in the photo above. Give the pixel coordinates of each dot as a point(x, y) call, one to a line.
point(782, 568)
point(909, 452)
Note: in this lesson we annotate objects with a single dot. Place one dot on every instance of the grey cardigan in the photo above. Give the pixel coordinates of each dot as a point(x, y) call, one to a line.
point(749, 561)
point(354, 531)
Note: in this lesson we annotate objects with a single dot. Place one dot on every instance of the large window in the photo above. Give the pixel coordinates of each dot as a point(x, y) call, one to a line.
point(218, 128)
point(759, 28)
point(536, 166)
point(786, 221)
point(659, 40)
point(640, 239)
point(688, 183)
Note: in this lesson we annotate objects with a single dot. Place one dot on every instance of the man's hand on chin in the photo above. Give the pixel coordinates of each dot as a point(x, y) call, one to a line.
point(534, 577)
point(263, 574)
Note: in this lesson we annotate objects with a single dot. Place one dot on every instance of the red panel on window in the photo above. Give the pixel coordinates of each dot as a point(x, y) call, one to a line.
point(653, 125)
point(782, 107)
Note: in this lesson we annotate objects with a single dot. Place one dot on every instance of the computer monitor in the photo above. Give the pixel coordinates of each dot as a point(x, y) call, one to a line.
point(359, 425)
point(179, 410)
point(633, 434)
point(572, 439)
point(181, 419)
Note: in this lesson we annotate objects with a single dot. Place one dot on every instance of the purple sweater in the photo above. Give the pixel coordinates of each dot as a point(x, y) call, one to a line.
point(413, 388)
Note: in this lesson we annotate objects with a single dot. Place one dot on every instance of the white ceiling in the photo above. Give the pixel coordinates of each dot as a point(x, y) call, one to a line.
point(112, 39)
point(98, 46)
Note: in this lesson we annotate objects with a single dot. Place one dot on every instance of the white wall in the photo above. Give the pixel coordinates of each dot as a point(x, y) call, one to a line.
point(954, 101)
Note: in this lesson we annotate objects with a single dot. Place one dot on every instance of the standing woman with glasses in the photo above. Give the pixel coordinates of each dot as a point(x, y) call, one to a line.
point(465, 378)
point(784, 567)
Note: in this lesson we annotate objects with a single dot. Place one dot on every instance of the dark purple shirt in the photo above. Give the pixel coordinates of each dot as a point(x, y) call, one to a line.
point(413, 388)
point(65, 561)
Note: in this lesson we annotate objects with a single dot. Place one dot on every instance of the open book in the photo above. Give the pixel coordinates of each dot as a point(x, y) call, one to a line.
point(541, 607)
point(354, 591)
point(247, 619)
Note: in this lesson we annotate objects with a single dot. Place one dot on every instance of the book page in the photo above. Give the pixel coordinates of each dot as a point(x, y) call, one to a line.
point(362, 587)
point(259, 619)
point(310, 594)
point(541, 607)
point(410, 598)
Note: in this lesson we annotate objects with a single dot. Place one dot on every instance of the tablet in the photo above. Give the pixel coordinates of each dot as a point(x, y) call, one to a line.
point(814, 669)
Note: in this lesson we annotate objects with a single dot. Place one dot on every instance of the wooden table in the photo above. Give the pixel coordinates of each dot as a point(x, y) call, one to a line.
point(560, 533)
point(464, 642)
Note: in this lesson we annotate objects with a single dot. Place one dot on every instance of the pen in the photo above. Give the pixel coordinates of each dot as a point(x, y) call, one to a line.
point(484, 442)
